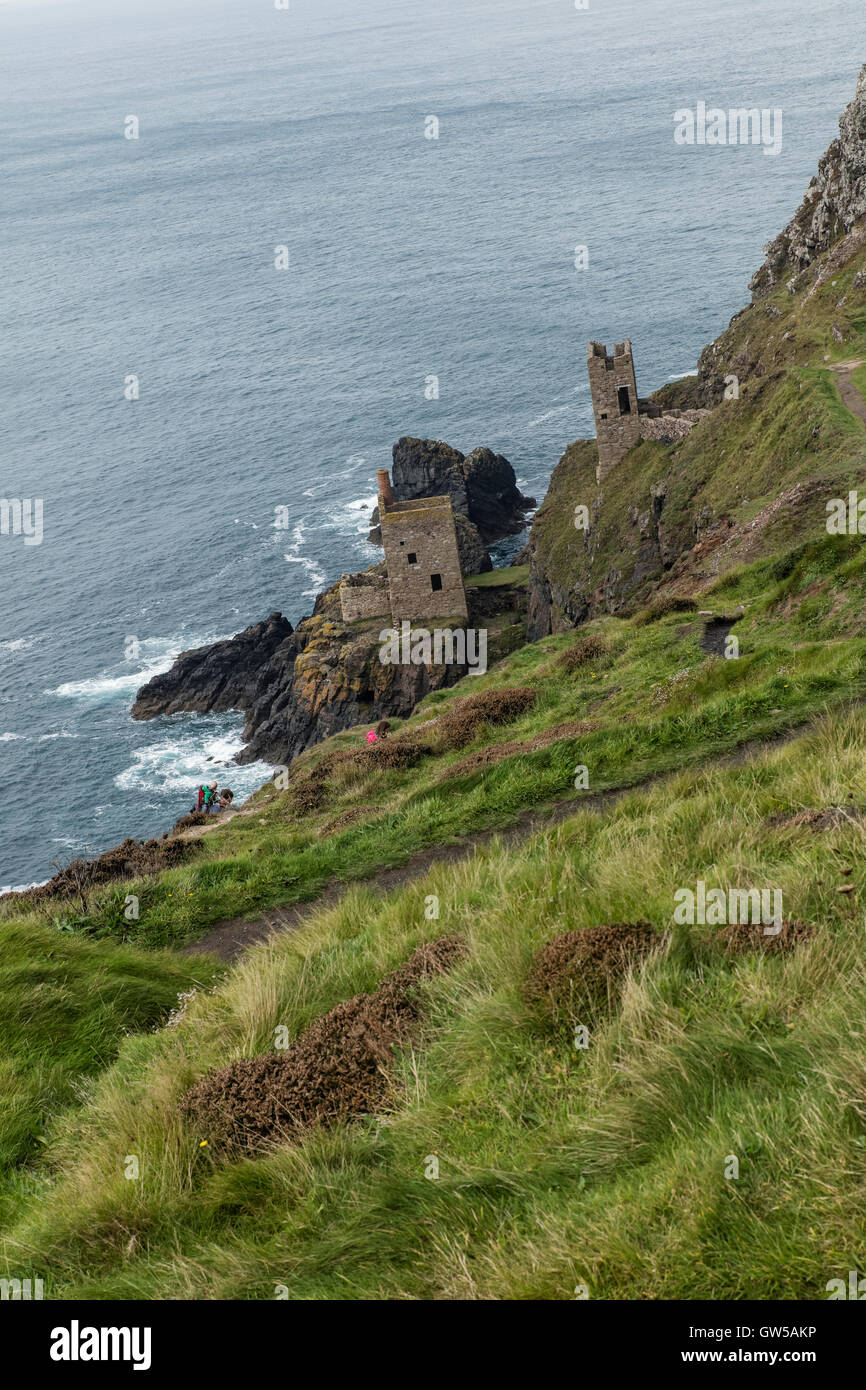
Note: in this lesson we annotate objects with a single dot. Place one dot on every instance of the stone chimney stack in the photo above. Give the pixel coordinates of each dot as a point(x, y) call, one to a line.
point(386, 496)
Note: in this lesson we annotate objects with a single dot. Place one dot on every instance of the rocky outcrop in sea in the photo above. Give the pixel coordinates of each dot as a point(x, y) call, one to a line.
point(297, 686)
point(482, 487)
point(210, 680)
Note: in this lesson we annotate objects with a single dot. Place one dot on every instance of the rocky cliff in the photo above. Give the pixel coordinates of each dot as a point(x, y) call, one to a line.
point(226, 675)
point(834, 202)
point(298, 686)
point(482, 487)
point(751, 476)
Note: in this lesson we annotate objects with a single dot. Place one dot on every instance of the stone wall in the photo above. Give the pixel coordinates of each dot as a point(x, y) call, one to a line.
point(422, 559)
point(363, 600)
point(668, 427)
point(614, 402)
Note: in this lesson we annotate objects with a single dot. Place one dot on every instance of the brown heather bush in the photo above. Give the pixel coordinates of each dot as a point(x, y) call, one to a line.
point(579, 974)
point(465, 718)
point(192, 819)
point(131, 859)
point(662, 607)
point(391, 753)
point(738, 941)
point(337, 1068)
point(590, 648)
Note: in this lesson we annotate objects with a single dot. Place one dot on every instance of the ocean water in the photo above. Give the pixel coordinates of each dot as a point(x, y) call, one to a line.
point(408, 258)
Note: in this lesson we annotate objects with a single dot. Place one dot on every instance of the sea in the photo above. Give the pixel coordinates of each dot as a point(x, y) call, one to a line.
point(246, 245)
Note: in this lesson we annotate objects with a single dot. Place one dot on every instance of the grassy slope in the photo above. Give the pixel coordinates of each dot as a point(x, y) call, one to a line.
point(655, 702)
point(558, 1167)
point(788, 426)
point(65, 1004)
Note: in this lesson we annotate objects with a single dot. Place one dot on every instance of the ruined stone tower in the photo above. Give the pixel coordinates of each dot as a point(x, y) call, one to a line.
point(614, 403)
point(422, 560)
point(420, 542)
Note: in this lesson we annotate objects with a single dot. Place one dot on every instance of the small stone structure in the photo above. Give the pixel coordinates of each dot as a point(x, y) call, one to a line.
point(364, 596)
point(614, 403)
point(422, 560)
point(622, 418)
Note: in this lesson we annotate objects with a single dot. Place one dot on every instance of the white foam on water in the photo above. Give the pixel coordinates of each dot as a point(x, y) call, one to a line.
point(549, 415)
point(198, 752)
point(154, 655)
point(18, 644)
point(74, 846)
point(352, 464)
point(61, 733)
point(318, 577)
point(351, 518)
point(21, 887)
point(8, 738)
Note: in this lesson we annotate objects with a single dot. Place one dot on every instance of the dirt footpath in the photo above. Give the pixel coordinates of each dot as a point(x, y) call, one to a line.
point(851, 397)
point(231, 937)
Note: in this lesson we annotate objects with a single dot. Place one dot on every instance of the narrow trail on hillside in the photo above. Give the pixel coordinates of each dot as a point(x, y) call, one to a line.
point(852, 397)
point(232, 936)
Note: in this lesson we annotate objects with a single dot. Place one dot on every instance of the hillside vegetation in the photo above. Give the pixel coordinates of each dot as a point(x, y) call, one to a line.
point(489, 1058)
point(558, 1166)
point(748, 482)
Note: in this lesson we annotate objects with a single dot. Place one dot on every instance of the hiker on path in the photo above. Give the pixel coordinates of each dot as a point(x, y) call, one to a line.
point(372, 736)
point(226, 797)
point(210, 797)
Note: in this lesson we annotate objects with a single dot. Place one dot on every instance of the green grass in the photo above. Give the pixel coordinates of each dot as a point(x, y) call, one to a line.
point(512, 577)
point(655, 703)
point(557, 1167)
point(65, 1006)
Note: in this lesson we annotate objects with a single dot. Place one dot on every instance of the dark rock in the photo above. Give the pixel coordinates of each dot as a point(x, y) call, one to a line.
point(482, 486)
point(328, 678)
point(474, 557)
point(496, 505)
point(428, 468)
point(323, 677)
point(834, 201)
point(227, 675)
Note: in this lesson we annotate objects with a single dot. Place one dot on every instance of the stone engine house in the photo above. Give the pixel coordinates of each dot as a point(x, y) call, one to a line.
point(614, 402)
point(622, 418)
point(422, 560)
